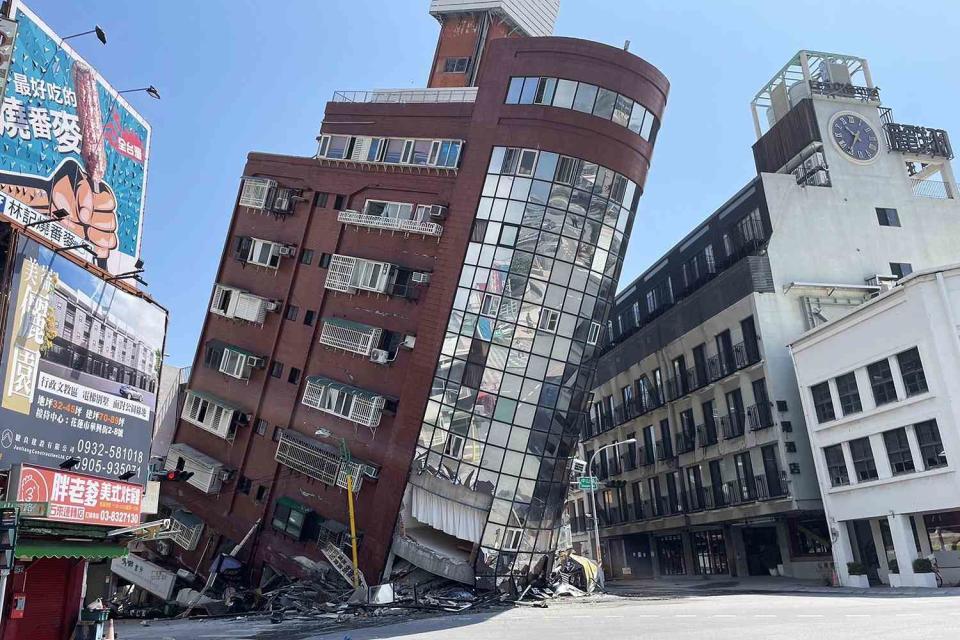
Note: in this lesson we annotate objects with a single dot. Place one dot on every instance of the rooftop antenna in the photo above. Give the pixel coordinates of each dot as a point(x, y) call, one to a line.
point(626, 45)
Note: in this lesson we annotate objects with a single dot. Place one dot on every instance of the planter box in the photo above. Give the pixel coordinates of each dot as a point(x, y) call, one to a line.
point(895, 580)
point(928, 580)
point(861, 582)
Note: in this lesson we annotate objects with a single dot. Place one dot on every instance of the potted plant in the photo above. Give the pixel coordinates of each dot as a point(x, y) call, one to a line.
point(894, 575)
point(857, 575)
point(923, 573)
point(771, 558)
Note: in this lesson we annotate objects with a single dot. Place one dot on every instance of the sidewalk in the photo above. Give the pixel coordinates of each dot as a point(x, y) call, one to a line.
point(715, 585)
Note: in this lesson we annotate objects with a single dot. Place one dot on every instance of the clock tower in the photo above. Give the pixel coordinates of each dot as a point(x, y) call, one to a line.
point(821, 119)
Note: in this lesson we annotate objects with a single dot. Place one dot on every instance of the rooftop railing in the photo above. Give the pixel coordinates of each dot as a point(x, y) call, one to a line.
point(407, 96)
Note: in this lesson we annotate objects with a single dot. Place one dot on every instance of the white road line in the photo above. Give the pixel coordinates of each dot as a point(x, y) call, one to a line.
point(908, 615)
point(723, 615)
point(685, 615)
point(765, 615)
point(809, 615)
point(858, 615)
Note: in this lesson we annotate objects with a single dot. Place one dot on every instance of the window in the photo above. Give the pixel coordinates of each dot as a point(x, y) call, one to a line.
point(308, 317)
point(322, 199)
point(528, 161)
point(490, 305)
point(594, 334)
point(294, 376)
point(888, 217)
point(277, 434)
point(276, 369)
point(564, 93)
point(881, 381)
point(243, 485)
point(456, 65)
point(898, 451)
point(454, 446)
point(822, 402)
point(338, 201)
point(261, 493)
point(931, 447)
point(292, 312)
point(261, 427)
point(836, 465)
point(862, 456)
point(545, 90)
point(848, 393)
point(511, 539)
point(334, 147)
point(306, 256)
point(901, 269)
point(508, 235)
point(911, 369)
point(549, 319)
point(289, 517)
point(513, 92)
point(586, 96)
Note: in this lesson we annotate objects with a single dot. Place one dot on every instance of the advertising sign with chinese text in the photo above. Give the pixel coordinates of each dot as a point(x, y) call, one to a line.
point(71, 143)
point(82, 499)
point(145, 575)
point(80, 368)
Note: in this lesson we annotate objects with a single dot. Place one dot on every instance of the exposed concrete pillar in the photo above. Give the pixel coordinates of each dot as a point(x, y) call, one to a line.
point(903, 546)
point(688, 561)
point(878, 544)
point(842, 551)
point(923, 535)
point(731, 550)
point(783, 542)
point(740, 551)
point(654, 557)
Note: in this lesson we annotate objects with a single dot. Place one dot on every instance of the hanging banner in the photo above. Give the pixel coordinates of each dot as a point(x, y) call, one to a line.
point(72, 144)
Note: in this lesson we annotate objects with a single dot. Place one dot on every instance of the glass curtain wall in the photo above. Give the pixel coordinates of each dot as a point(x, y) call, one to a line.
point(511, 382)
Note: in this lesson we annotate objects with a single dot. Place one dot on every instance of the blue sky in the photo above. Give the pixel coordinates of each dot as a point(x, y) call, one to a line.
point(239, 76)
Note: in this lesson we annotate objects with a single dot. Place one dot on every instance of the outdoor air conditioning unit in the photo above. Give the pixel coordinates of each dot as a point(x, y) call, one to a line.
point(256, 362)
point(420, 277)
point(272, 305)
point(818, 179)
point(409, 342)
point(379, 356)
point(225, 475)
point(371, 472)
point(438, 212)
point(579, 467)
point(885, 282)
point(287, 250)
point(163, 547)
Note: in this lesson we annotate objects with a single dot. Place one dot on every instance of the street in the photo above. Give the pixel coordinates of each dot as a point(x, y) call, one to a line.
point(766, 616)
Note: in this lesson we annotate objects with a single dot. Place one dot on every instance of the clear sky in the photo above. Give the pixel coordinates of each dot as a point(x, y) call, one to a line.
point(242, 75)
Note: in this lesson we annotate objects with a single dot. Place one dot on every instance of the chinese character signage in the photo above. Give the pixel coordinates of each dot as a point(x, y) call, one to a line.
point(71, 143)
point(73, 497)
point(80, 368)
point(145, 574)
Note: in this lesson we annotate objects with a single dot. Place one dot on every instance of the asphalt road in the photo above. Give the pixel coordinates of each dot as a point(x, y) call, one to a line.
point(765, 616)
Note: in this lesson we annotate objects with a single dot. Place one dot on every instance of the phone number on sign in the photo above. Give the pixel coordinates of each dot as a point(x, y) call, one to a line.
point(110, 460)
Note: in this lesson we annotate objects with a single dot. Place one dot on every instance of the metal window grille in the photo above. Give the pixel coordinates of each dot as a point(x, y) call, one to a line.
point(308, 459)
point(354, 340)
point(255, 192)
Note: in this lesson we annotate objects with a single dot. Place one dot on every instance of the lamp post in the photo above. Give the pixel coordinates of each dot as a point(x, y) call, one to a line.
point(346, 460)
point(593, 498)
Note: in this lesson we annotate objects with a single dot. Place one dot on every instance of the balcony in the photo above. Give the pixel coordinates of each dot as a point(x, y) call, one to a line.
point(665, 451)
point(341, 400)
point(732, 425)
point(936, 189)
point(759, 417)
point(348, 274)
point(686, 442)
point(390, 224)
point(264, 194)
point(232, 360)
point(407, 96)
point(707, 434)
point(262, 253)
point(320, 461)
point(212, 414)
point(208, 473)
point(347, 335)
point(186, 529)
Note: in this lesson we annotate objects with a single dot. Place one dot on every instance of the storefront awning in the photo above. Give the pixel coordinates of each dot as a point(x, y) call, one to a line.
point(328, 383)
point(56, 549)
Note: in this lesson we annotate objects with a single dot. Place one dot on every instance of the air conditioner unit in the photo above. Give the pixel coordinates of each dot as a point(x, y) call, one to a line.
point(579, 467)
point(438, 212)
point(272, 305)
point(379, 356)
point(256, 362)
point(225, 475)
point(287, 251)
point(409, 342)
point(881, 280)
point(421, 277)
point(163, 547)
point(819, 179)
point(371, 472)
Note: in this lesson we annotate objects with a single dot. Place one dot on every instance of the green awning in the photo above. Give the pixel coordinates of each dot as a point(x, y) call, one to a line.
point(293, 505)
point(339, 386)
point(56, 549)
point(350, 324)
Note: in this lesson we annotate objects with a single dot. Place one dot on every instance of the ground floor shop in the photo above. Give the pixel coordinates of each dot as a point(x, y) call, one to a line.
point(886, 548)
point(790, 546)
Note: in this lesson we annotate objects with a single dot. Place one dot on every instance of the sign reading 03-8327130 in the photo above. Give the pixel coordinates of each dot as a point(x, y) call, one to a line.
point(80, 369)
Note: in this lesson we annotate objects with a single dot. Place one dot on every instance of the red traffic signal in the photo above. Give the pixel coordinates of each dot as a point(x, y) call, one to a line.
point(175, 475)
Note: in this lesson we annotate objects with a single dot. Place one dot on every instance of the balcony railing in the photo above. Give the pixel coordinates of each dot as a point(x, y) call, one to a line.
point(350, 336)
point(732, 425)
point(390, 224)
point(665, 451)
point(760, 416)
point(407, 96)
point(686, 442)
point(707, 434)
point(933, 189)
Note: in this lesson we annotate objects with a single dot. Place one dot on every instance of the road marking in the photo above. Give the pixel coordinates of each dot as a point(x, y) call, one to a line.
point(858, 615)
point(685, 615)
point(809, 615)
point(723, 615)
point(908, 615)
point(765, 615)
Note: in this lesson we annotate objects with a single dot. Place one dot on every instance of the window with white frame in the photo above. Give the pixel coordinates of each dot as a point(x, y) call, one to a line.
point(528, 160)
point(347, 274)
point(334, 147)
point(511, 539)
point(490, 305)
point(256, 192)
point(407, 151)
point(206, 413)
point(549, 320)
point(397, 210)
point(454, 446)
point(223, 297)
point(346, 402)
point(593, 335)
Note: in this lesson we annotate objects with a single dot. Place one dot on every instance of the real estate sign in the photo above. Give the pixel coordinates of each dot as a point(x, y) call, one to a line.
point(80, 368)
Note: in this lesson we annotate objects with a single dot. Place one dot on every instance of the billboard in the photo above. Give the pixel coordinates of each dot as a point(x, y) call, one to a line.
point(77, 498)
point(80, 368)
point(71, 143)
point(146, 575)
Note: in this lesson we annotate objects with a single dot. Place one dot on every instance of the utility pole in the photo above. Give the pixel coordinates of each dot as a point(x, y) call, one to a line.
point(593, 501)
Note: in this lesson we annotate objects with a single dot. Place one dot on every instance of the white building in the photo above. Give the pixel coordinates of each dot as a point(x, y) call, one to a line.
point(878, 389)
point(846, 201)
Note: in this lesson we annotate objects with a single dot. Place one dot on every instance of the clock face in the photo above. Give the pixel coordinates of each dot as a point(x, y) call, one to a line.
point(855, 137)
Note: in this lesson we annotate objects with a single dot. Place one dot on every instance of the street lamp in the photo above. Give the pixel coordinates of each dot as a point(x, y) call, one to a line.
point(101, 35)
point(345, 460)
point(59, 214)
point(593, 498)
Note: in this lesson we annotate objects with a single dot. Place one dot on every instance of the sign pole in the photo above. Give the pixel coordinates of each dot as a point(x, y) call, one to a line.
point(353, 531)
